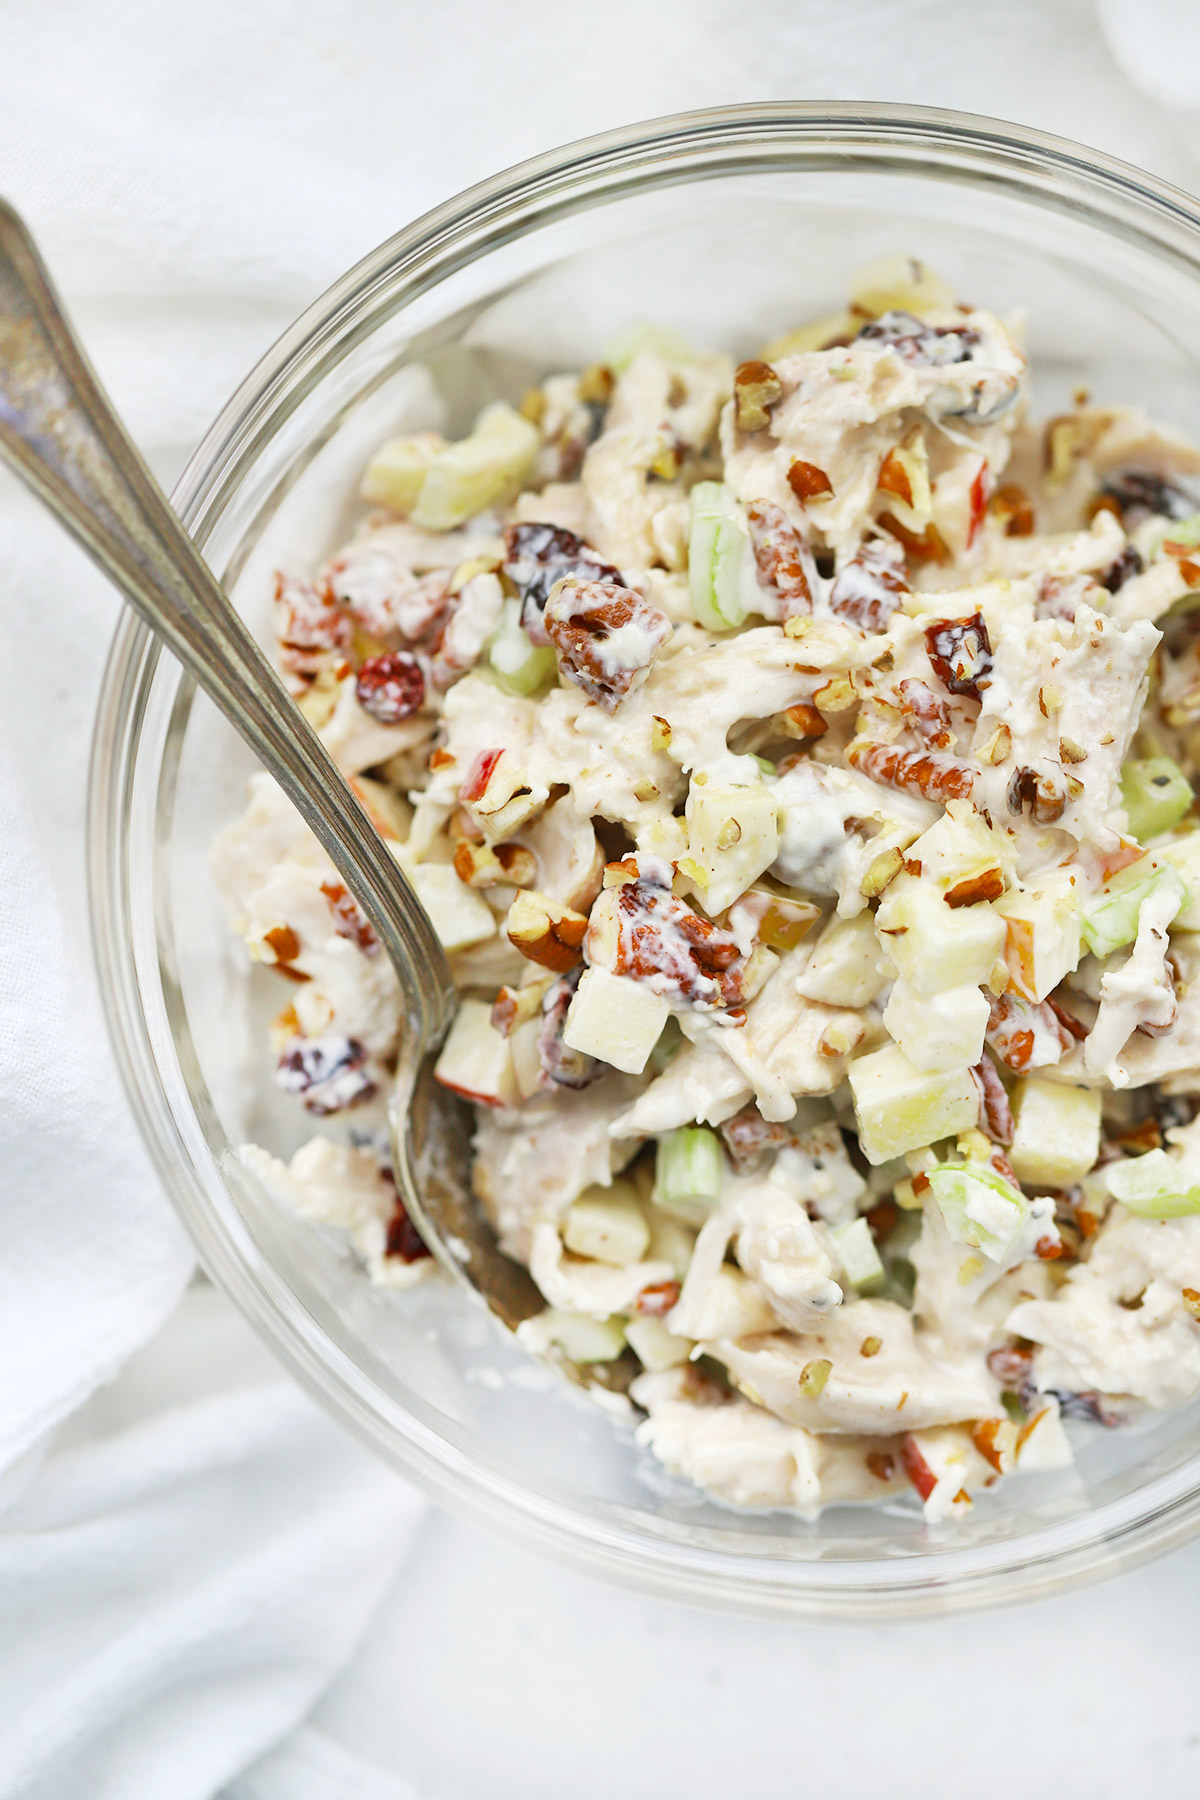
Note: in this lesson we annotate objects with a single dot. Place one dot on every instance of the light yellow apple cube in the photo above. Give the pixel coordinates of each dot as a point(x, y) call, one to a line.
point(1042, 932)
point(607, 1225)
point(457, 913)
point(845, 968)
point(733, 835)
point(655, 1347)
point(475, 1060)
point(1183, 850)
point(938, 1031)
point(396, 473)
point(615, 1019)
point(1057, 1137)
point(900, 1107)
point(935, 946)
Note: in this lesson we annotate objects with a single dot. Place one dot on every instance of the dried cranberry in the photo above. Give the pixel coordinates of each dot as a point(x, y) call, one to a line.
point(327, 1071)
point(917, 342)
point(391, 687)
point(537, 556)
point(1118, 573)
point(1140, 494)
point(961, 654)
point(403, 1238)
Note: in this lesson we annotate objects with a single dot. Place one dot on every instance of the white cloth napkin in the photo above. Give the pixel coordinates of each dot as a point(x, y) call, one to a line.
point(187, 1562)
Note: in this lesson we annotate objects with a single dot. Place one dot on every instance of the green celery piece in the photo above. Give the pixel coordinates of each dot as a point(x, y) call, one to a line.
point(689, 1173)
point(860, 1259)
point(1153, 1186)
point(980, 1208)
point(1156, 794)
point(1112, 918)
point(519, 666)
point(720, 558)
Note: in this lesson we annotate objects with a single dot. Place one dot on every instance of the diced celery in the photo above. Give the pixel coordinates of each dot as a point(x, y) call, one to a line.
point(1153, 1186)
point(519, 666)
point(721, 573)
point(1156, 794)
point(479, 471)
point(980, 1208)
point(642, 336)
point(859, 1258)
point(689, 1173)
point(1112, 918)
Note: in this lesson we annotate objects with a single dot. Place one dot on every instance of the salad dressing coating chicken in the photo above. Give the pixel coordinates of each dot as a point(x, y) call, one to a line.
point(795, 759)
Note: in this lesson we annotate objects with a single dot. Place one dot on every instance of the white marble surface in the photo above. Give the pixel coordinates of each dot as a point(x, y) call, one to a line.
point(197, 177)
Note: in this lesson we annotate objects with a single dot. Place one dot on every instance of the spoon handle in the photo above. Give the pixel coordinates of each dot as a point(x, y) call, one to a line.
point(59, 432)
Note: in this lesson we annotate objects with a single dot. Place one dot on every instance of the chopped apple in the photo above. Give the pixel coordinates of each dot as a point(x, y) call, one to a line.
point(655, 1347)
point(1057, 1137)
point(901, 283)
point(733, 835)
point(475, 1060)
point(938, 1031)
point(962, 856)
point(607, 1225)
point(1182, 850)
point(1042, 941)
point(900, 1107)
point(846, 967)
point(457, 913)
point(935, 946)
point(581, 1339)
point(615, 1019)
point(477, 472)
point(396, 473)
point(731, 1306)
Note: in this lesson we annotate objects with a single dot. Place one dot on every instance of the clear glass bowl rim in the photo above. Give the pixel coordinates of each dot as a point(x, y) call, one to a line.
point(707, 144)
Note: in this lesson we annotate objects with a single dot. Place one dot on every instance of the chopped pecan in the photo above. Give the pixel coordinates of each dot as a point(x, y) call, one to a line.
point(1059, 596)
point(928, 712)
point(988, 884)
point(504, 865)
point(539, 556)
point(870, 587)
point(881, 1463)
point(1012, 507)
point(801, 721)
point(747, 1135)
point(349, 920)
point(995, 1113)
point(923, 546)
point(1030, 1034)
point(1041, 791)
point(756, 388)
point(284, 943)
point(960, 652)
point(643, 930)
point(545, 931)
point(931, 773)
point(780, 557)
point(309, 627)
point(807, 481)
point(655, 1301)
point(605, 636)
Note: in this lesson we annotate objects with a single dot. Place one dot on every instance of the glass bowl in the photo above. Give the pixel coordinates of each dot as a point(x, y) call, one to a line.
point(730, 226)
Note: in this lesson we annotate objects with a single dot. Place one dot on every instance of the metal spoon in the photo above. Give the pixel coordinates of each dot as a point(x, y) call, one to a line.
point(61, 435)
